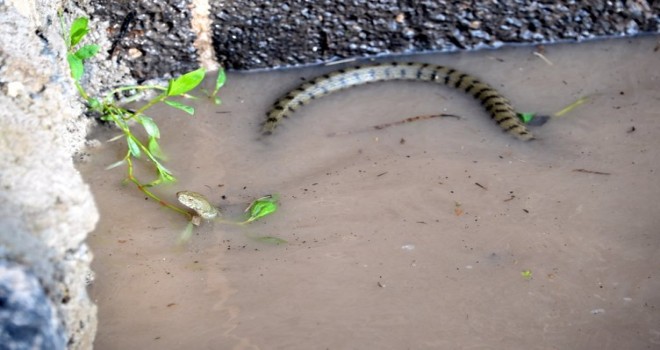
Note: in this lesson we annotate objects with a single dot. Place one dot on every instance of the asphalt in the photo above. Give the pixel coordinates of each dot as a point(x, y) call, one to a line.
point(157, 39)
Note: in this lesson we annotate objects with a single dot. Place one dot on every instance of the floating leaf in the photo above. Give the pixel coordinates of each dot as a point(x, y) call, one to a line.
point(76, 66)
point(133, 147)
point(87, 51)
point(155, 150)
point(261, 207)
point(526, 117)
point(188, 109)
point(149, 126)
point(526, 274)
point(271, 240)
point(78, 30)
point(185, 83)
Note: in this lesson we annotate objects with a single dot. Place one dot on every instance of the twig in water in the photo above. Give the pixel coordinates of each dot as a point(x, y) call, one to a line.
point(404, 121)
point(572, 106)
point(540, 55)
point(590, 172)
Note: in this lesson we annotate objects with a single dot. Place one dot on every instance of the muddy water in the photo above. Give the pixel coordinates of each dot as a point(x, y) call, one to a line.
point(410, 237)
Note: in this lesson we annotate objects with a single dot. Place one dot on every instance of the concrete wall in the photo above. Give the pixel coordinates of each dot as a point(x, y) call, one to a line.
point(46, 209)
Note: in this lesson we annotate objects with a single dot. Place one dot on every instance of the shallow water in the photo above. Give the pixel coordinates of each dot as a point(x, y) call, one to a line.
point(411, 237)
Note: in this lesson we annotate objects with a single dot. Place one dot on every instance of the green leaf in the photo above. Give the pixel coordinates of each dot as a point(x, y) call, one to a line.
point(167, 177)
point(270, 240)
point(78, 30)
point(95, 104)
point(87, 51)
point(178, 105)
point(155, 150)
point(149, 126)
point(526, 274)
point(185, 83)
point(133, 147)
point(261, 207)
point(217, 100)
point(220, 80)
point(164, 174)
point(76, 66)
point(526, 117)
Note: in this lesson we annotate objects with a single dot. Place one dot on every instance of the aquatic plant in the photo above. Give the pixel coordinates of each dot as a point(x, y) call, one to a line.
point(109, 109)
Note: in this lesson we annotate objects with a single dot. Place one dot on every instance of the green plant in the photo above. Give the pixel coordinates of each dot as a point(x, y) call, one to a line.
point(125, 119)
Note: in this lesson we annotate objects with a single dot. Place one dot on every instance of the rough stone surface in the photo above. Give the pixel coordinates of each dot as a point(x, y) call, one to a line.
point(154, 37)
point(46, 209)
point(28, 319)
point(252, 34)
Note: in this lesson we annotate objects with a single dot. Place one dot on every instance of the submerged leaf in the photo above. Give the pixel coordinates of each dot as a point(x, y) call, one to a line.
point(188, 109)
point(133, 147)
point(155, 150)
point(526, 274)
point(187, 232)
point(271, 240)
point(149, 126)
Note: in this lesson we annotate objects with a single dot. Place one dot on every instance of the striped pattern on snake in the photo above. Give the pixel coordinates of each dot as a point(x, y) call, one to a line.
point(498, 106)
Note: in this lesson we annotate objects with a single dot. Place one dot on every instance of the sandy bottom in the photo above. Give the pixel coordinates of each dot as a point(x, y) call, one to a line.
point(411, 237)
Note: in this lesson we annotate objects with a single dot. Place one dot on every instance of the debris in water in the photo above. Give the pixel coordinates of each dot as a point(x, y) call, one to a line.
point(590, 172)
point(387, 125)
point(458, 211)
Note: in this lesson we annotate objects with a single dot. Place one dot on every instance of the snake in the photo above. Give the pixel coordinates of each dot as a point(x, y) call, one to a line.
point(498, 106)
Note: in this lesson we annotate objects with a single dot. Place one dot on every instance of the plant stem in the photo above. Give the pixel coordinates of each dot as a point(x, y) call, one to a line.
point(158, 99)
point(144, 190)
point(81, 91)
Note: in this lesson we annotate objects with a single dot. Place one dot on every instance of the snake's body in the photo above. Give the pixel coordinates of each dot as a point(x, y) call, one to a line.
point(498, 106)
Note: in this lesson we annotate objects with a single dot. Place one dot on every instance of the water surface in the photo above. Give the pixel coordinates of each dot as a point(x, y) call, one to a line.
point(411, 237)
